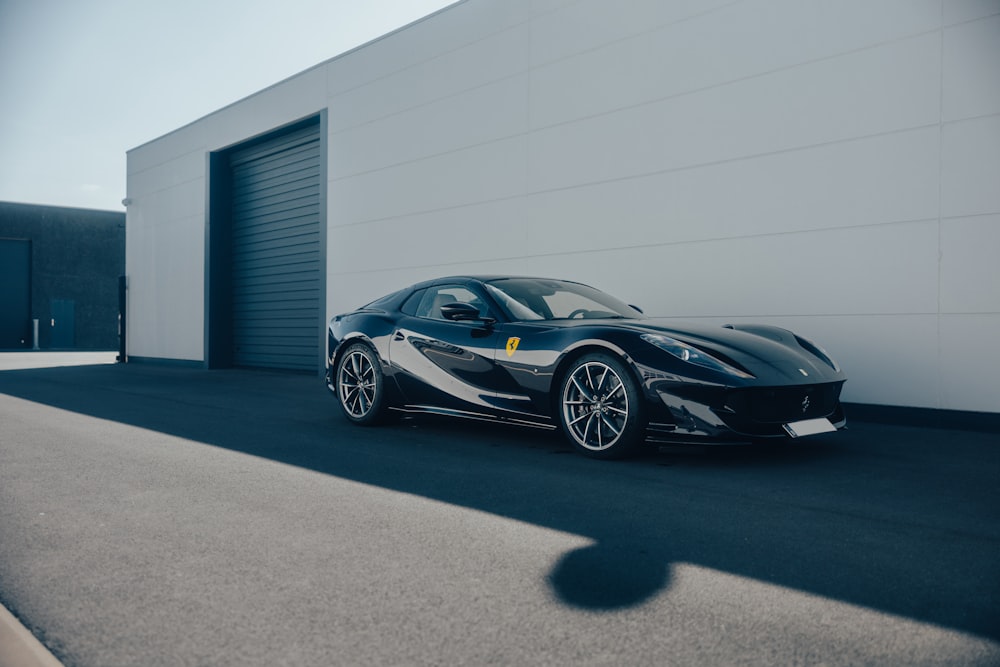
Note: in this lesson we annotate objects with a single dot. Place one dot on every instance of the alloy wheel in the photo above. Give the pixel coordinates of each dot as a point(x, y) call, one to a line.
point(595, 406)
point(357, 383)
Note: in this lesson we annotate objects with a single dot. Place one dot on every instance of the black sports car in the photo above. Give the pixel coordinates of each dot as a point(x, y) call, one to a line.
point(554, 353)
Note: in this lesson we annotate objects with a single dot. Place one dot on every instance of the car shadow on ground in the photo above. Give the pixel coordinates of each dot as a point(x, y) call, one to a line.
point(866, 516)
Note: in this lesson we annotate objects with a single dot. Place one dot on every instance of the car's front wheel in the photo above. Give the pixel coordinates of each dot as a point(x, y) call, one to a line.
point(361, 385)
point(601, 409)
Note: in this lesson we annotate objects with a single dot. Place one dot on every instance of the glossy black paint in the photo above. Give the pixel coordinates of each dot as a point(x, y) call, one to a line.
point(466, 367)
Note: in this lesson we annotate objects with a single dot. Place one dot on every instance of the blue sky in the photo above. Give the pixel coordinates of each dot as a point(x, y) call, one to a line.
point(83, 81)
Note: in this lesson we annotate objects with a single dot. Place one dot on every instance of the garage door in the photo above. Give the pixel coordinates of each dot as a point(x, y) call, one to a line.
point(15, 297)
point(276, 256)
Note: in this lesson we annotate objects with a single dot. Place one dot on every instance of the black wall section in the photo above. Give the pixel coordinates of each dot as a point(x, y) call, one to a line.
point(219, 287)
point(77, 256)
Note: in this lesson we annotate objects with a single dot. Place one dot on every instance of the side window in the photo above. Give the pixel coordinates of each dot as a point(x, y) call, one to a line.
point(412, 302)
point(435, 297)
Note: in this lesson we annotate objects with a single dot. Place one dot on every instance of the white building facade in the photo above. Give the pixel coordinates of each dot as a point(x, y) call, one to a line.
point(830, 167)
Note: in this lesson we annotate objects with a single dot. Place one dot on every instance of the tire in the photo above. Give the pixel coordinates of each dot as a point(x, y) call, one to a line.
point(601, 408)
point(360, 385)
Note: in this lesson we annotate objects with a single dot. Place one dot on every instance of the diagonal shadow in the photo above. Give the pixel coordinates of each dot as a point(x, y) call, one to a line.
point(866, 517)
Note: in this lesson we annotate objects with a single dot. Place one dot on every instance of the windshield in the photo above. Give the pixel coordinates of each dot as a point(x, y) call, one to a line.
point(541, 299)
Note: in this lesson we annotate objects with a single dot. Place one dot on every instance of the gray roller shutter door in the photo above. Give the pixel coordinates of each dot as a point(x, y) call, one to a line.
point(276, 251)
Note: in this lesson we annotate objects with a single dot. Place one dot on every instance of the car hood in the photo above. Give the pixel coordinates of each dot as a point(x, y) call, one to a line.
point(767, 352)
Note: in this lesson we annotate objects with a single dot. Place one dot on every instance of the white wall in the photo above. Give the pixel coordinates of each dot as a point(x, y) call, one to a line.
point(828, 166)
point(167, 214)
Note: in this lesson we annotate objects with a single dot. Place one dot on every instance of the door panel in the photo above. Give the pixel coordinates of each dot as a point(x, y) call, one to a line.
point(444, 364)
point(63, 323)
point(526, 359)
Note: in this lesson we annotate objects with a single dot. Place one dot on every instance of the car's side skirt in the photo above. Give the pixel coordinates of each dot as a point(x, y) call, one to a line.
point(476, 416)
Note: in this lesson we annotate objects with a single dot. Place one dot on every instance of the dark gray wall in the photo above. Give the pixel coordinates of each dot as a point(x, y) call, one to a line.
point(76, 258)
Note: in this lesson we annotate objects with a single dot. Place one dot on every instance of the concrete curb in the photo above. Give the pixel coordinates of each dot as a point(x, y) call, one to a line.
point(19, 648)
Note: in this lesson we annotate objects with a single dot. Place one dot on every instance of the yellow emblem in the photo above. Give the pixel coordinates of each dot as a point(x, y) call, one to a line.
point(512, 345)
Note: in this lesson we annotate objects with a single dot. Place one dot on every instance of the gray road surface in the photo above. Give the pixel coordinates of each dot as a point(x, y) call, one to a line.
point(164, 516)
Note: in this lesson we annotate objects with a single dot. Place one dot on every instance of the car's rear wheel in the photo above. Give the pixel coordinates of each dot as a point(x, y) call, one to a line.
point(601, 409)
point(361, 385)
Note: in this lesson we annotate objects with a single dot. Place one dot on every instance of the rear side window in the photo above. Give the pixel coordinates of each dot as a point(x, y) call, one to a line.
point(385, 302)
point(410, 305)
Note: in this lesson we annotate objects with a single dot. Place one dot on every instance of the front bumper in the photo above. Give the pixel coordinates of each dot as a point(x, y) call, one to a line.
point(740, 414)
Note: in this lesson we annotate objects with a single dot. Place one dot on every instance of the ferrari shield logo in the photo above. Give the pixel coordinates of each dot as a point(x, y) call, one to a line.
point(512, 345)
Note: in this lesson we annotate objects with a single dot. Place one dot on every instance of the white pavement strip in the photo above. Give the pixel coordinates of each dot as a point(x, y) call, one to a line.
point(18, 361)
point(19, 648)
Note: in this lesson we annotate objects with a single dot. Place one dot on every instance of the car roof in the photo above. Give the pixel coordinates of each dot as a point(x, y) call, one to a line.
point(483, 278)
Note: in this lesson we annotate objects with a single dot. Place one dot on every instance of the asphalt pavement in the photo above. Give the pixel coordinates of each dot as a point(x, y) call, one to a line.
point(158, 515)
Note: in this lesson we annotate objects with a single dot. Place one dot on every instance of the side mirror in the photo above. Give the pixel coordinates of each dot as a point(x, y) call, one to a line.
point(460, 312)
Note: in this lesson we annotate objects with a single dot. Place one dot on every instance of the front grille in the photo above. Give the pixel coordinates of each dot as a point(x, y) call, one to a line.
point(780, 405)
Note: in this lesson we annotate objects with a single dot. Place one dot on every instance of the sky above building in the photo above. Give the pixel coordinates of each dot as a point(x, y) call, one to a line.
point(84, 81)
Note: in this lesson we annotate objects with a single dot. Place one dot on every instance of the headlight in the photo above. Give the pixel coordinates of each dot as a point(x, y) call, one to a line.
point(692, 355)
